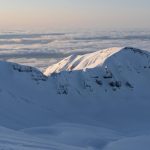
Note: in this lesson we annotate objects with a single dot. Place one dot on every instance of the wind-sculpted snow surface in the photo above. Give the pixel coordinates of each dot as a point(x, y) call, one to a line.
point(91, 101)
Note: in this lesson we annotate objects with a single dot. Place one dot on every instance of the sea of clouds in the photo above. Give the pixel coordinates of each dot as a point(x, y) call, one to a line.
point(41, 49)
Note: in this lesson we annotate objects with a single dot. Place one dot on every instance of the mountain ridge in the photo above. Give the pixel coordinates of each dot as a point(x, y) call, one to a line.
point(90, 60)
point(98, 95)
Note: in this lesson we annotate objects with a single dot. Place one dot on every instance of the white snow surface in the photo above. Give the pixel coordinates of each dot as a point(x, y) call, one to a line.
point(96, 101)
point(80, 62)
point(137, 143)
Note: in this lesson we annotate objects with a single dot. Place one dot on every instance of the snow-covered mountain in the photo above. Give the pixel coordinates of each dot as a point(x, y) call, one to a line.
point(77, 83)
point(115, 56)
point(108, 88)
point(122, 69)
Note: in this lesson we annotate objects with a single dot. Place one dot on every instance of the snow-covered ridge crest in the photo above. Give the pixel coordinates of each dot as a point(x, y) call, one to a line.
point(79, 62)
point(10, 68)
point(91, 60)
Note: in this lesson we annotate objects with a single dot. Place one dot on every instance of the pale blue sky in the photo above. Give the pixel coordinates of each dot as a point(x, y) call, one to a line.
point(74, 13)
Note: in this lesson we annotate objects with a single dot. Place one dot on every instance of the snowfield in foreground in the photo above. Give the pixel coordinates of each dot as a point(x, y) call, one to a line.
point(97, 101)
point(70, 137)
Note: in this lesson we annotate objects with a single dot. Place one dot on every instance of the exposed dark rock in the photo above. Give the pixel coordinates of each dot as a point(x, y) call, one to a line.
point(129, 85)
point(62, 89)
point(99, 82)
point(115, 84)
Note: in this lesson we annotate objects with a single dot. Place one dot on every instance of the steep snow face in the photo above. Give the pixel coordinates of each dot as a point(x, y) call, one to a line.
point(96, 59)
point(110, 69)
point(80, 62)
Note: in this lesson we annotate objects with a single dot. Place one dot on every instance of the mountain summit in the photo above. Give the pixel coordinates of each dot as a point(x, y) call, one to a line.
point(98, 59)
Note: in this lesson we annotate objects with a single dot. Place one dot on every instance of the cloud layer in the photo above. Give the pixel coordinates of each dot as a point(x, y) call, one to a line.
point(42, 49)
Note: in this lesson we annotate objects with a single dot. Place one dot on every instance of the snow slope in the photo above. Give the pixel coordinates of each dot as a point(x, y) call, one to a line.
point(16, 140)
point(76, 135)
point(80, 62)
point(130, 143)
point(96, 59)
point(101, 97)
point(125, 70)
